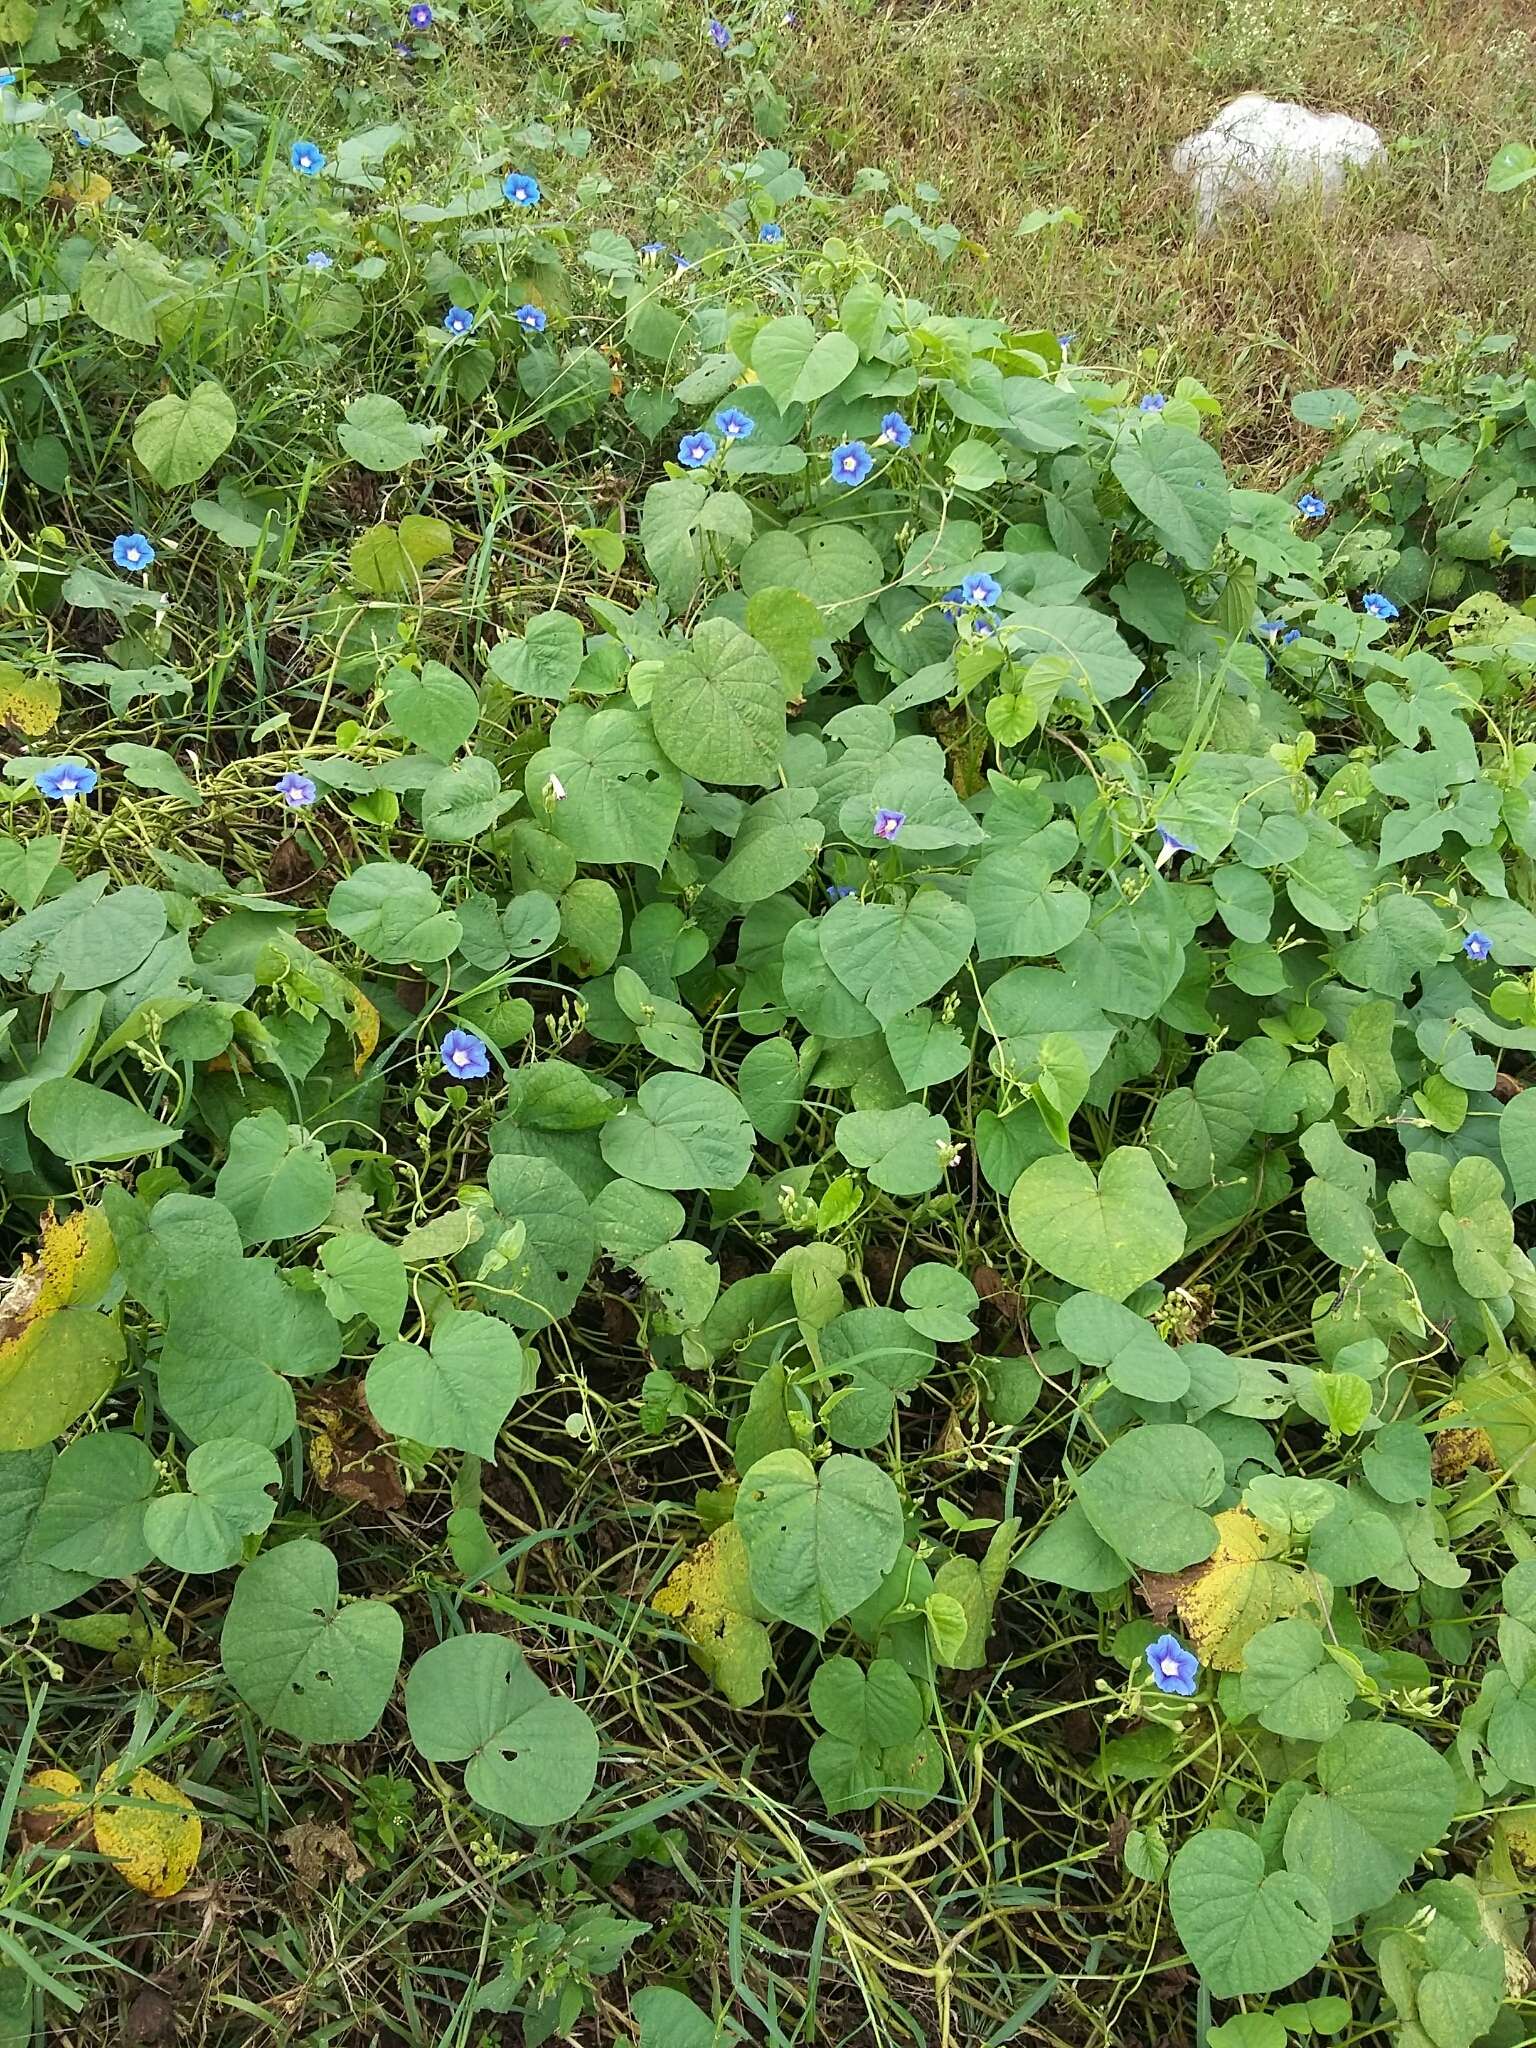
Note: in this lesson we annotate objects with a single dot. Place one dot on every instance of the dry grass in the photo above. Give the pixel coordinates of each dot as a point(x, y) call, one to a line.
point(1009, 105)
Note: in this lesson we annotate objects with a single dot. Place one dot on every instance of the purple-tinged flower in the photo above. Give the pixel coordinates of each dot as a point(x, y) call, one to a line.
point(735, 424)
point(982, 626)
point(836, 891)
point(1173, 1668)
point(522, 188)
point(464, 1056)
point(458, 320)
point(851, 462)
point(980, 588)
point(318, 260)
point(952, 604)
point(297, 791)
point(1065, 341)
point(1311, 506)
point(1290, 636)
point(1477, 946)
point(1153, 402)
point(888, 823)
point(770, 232)
point(894, 432)
point(307, 157)
point(132, 551)
point(63, 781)
point(680, 264)
point(564, 42)
point(1378, 605)
point(1169, 847)
point(1269, 629)
point(719, 35)
point(694, 450)
point(789, 18)
point(651, 251)
point(420, 16)
point(404, 52)
point(532, 319)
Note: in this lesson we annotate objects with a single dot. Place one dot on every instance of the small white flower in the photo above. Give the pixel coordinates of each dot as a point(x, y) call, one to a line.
point(554, 789)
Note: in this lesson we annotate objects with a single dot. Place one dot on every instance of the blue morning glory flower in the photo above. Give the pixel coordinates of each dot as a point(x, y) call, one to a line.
point(770, 231)
point(895, 432)
point(1269, 629)
point(681, 263)
point(7, 77)
point(1173, 1668)
point(1065, 341)
point(983, 626)
point(65, 780)
point(980, 588)
point(694, 450)
point(1169, 847)
point(1153, 402)
point(132, 551)
point(1378, 606)
point(296, 790)
point(1290, 636)
point(521, 187)
point(836, 891)
point(532, 319)
point(851, 463)
point(650, 251)
point(464, 1056)
point(952, 603)
point(318, 260)
point(719, 35)
point(1311, 506)
point(1477, 946)
point(420, 16)
point(735, 424)
point(307, 157)
point(888, 823)
point(458, 320)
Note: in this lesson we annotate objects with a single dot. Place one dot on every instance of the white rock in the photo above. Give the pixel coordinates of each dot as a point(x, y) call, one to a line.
point(1261, 152)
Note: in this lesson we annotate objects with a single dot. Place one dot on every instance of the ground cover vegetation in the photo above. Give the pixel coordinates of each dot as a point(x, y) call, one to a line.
point(763, 1090)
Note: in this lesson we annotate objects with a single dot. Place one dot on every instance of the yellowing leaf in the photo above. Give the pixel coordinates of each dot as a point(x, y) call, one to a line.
point(364, 1026)
point(57, 1357)
point(1239, 1590)
point(78, 1258)
point(52, 1805)
point(710, 1595)
point(29, 701)
point(151, 1833)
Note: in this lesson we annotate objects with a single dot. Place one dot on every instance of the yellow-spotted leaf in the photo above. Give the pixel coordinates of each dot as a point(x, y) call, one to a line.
point(1242, 1588)
point(52, 1806)
point(710, 1595)
point(151, 1833)
point(29, 700)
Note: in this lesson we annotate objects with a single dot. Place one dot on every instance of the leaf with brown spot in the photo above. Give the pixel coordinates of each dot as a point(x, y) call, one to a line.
point(347, 1453)
point(53, 1808)
point(318, 1850)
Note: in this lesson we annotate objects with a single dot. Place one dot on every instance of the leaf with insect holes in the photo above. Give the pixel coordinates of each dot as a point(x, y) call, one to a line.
point(303, 1661)
point(528, 1753)
point(1246, 1931)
